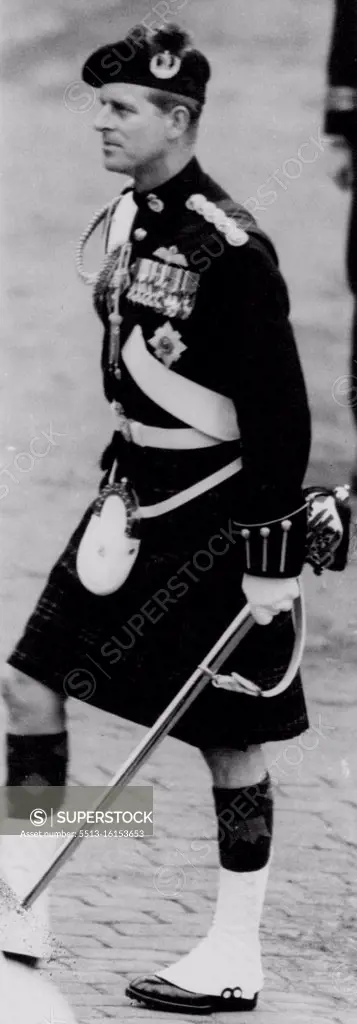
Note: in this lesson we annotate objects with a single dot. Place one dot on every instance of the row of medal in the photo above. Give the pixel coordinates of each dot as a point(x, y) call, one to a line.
point(165, 288)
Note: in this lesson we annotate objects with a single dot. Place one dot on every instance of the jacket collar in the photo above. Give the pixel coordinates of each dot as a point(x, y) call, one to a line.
point(173, 191)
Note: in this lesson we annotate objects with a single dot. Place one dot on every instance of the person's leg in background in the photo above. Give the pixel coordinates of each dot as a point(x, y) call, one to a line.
point(352, 278)
point(37, 757)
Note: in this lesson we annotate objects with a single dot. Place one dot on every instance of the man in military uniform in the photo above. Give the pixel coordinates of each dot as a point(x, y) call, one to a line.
point(341, 124)
point(212, 433)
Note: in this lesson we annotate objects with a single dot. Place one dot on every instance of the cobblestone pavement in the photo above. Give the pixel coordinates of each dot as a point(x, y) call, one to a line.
point(122, 907)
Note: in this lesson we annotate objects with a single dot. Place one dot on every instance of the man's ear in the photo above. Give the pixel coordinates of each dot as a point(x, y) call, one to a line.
point(179, 122)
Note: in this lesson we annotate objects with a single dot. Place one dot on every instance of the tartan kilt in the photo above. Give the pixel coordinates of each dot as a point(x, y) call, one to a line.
point(130, 652)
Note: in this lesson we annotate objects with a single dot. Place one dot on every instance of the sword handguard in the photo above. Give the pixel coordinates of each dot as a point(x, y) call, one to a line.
point(239, 684)
point(328, 528)
point(327, 542)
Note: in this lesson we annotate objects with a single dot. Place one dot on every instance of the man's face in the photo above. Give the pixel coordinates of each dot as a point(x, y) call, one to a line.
point(134, 131)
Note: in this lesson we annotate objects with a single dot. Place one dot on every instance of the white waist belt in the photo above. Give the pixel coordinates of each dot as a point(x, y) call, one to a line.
point(151, 511)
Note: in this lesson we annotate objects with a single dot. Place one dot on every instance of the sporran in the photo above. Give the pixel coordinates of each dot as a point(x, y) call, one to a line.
point(110, 545)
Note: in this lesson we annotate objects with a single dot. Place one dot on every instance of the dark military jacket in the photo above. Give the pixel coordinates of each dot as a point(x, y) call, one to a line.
point(214, 309)
point(341, 103)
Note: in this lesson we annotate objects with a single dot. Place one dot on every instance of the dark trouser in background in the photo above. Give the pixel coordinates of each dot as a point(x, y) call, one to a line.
point(352, 278)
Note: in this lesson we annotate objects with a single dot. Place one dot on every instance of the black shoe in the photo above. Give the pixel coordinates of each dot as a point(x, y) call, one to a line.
point(158, 994)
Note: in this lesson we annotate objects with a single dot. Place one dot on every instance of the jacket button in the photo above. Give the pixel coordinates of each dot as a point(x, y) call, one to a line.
point(154, 203)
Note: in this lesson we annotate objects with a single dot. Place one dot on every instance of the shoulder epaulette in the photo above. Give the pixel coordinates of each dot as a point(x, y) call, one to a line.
point(211, 212)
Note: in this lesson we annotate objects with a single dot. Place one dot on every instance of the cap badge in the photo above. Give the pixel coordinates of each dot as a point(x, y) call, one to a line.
point(165, 64)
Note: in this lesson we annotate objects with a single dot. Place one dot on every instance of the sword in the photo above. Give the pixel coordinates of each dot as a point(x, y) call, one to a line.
point(213, 661)
point(205, 672)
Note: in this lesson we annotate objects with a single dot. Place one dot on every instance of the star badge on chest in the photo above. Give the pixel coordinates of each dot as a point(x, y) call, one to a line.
point(167, 344)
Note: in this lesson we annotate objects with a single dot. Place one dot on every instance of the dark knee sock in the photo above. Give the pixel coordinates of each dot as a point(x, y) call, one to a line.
point(34, 763)
point(245, 825)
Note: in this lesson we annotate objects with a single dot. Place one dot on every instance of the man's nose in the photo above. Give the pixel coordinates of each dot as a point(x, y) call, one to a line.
point(103, 119)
